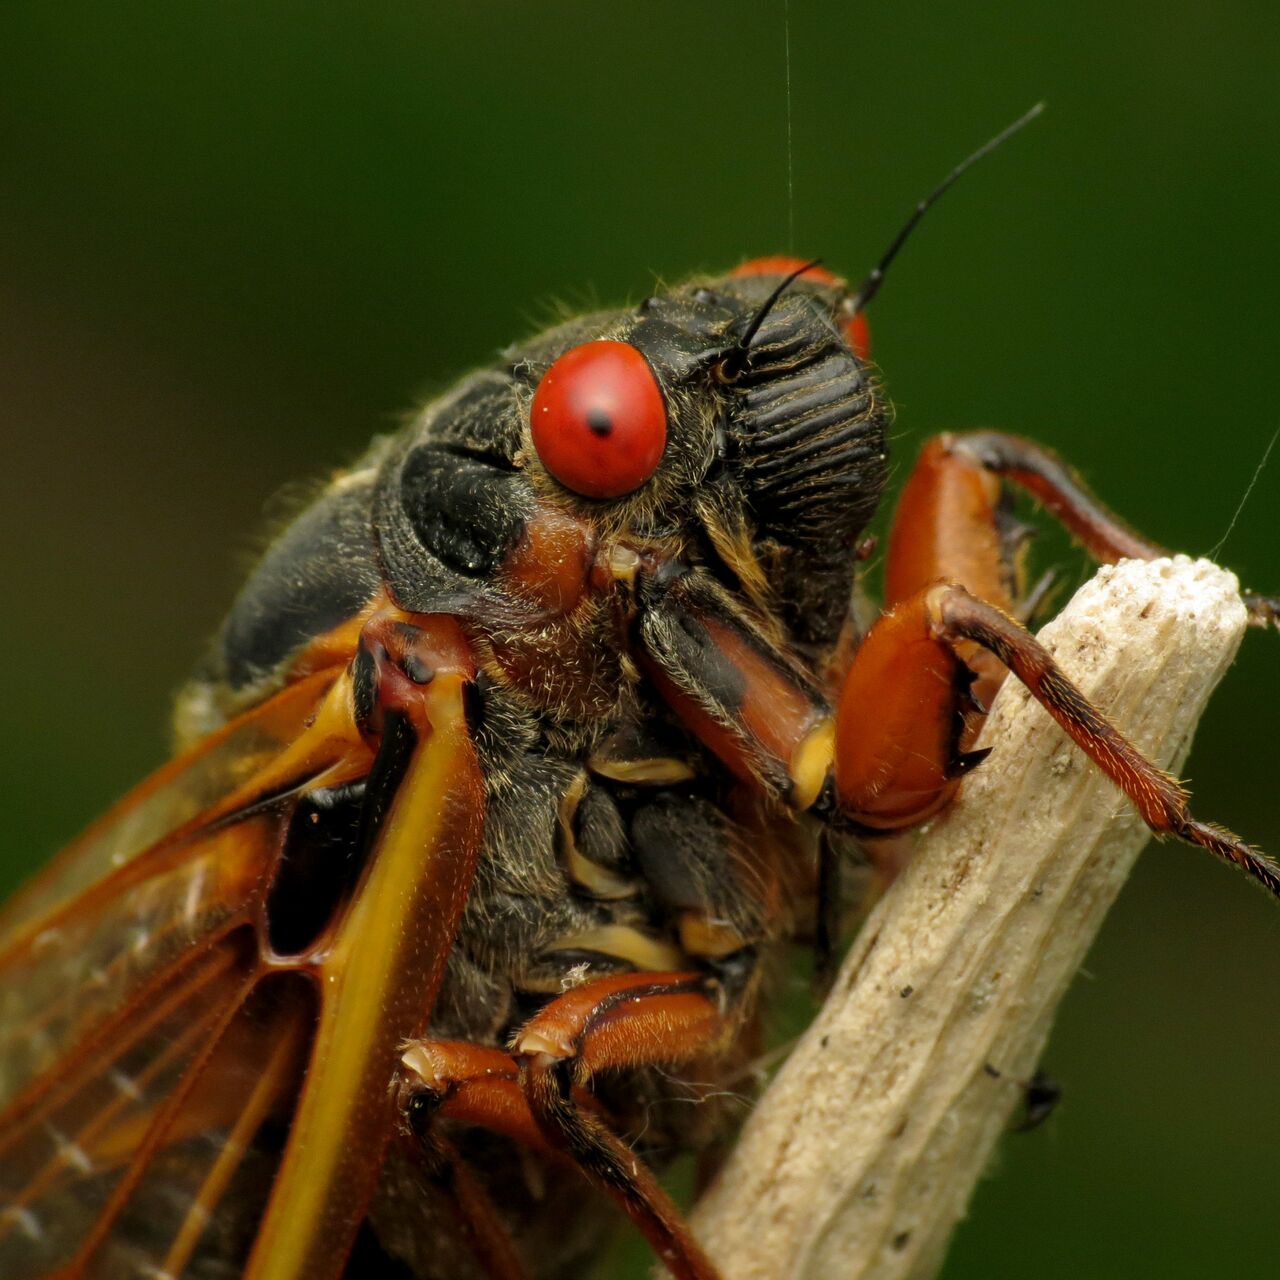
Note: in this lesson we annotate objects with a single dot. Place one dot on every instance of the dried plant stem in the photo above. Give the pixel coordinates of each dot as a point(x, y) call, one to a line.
point(865, 1150)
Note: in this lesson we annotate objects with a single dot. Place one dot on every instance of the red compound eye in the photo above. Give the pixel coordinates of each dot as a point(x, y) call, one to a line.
point(856, 332)
point(599, 421)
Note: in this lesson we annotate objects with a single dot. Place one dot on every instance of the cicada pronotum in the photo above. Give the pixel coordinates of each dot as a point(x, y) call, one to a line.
point(515, 759)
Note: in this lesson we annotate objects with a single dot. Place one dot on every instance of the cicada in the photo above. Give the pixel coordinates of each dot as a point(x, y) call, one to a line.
point(519, 756)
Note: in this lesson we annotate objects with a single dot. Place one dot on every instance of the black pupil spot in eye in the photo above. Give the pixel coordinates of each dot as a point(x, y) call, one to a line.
point(599, 420)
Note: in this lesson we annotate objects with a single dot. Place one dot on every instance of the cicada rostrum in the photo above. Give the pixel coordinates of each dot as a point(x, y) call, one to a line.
point(515, 761)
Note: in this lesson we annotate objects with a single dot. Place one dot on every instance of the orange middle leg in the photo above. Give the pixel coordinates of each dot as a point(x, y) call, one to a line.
point(537, 1095)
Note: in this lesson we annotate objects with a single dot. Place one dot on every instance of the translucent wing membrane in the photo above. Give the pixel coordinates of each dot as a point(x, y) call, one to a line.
point(80, 1140)
point(111, 951)
point(173, 796)
point(193, 1207)
point(156, 1157)
point(149, 1056)
point(154, 1047)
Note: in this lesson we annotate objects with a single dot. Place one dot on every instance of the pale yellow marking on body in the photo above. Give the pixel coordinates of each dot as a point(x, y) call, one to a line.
point(624, 563)
point(702, 936)
point(598, 881)
point(811, 763)
point(636, 948)
point(657, 771)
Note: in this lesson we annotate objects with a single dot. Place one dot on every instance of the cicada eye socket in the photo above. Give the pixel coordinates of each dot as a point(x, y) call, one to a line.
point(599, 420)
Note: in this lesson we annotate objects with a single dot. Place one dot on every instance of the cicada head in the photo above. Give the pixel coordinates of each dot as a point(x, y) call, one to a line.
point(734, 413)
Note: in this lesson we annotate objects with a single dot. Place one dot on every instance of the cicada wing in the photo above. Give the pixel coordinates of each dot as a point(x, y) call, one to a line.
point(120, 1043)
point(131, 981)
point(155, 1154)
point(155, 1047)
point(113, 910)
point(104, 956)
point(202, 1195)
point(170, 799)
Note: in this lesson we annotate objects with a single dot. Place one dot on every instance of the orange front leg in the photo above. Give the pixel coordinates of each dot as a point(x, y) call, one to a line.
point(898, 726)
point(900, 723)
point(951, 525)
point(732, 685)
point(946, 528)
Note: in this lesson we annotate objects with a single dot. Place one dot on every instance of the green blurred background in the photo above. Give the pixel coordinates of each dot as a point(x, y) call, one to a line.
point(237, 239)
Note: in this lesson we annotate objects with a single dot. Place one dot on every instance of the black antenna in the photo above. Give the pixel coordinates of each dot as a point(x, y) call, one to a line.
point(871, 285)
point(736, 359)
